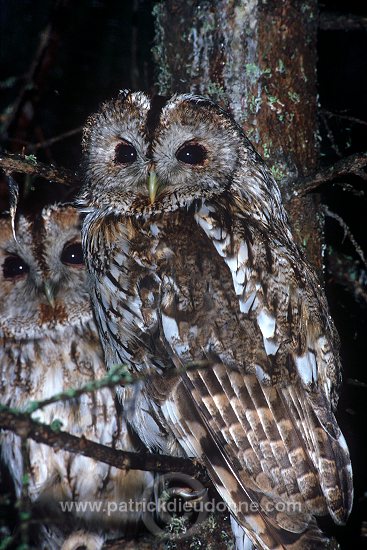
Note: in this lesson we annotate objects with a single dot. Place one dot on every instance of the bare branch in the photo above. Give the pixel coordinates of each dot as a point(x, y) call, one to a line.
point(39, 67)
point(330, 114)
point(345, 272)
point(329, 21)
point(25, 427)
point(352, 165)
point(330, 134)
point(11, 164)
point(357, 383)
point(347, 232)
point(46, 142)
point(117, 375)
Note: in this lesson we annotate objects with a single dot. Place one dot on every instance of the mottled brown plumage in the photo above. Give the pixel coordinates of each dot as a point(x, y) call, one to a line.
point(49, 343)
point(192, 262)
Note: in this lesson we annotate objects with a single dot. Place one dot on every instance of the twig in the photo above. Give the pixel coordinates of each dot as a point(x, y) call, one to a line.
point(329, 21)
point(345, 273)
point(347, 232)
point(354, 164)
point(46, 143)
point(330, 135)
point(11, 164)
point(117, 375)
point(357, 383)
point(28, 80)
point(11, 81)
point(25, 427)
point(344, 117)
point(350, 189)
point(39, 66)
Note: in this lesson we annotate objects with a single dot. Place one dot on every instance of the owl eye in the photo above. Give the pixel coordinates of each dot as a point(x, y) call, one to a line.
point(14, 267)
point(125, 153)
point(191, 153)
point(72, 255)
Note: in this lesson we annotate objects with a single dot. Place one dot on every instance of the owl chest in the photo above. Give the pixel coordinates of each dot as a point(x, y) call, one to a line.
point(37, 370)
point(166, 277)
point(162, 259)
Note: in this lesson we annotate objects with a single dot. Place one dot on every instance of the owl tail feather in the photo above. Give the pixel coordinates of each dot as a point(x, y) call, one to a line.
point(260, 531)
point(327, 449)
point(267, 527)
point(312, 539)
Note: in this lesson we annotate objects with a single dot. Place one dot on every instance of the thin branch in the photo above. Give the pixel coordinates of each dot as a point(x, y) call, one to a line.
point(47, 142)
point(330, 134)
point(330, 114)
point(25, 427)
point(329, 21)
point(40, 65)
point(357, 383)
point(346, 273)
point(347, 232)
point(117, 375)
point(11, 164)
point(28, 80)
point(352, 165)
point(11, 81)
point(350, 189)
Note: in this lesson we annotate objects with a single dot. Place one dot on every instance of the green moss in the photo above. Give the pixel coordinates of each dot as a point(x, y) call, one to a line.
point(267, 149)
point(208, 24)
point(25, 479)
point(24, 516)
point(293, 96)
point(216, 92)
point(6, 542)
point(178, 525)
point(196, 544)
point(212, 522)
point(56, 425)
point(272, 99)
point(277, 172)
point(280, 67)
point(253, 72)
point(254, 103)
point(32, 159)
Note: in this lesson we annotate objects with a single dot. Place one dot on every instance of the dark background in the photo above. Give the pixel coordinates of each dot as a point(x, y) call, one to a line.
point(99, 47)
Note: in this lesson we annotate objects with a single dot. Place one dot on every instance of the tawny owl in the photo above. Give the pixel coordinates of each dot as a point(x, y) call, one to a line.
point(49, 343)
point(193, 266)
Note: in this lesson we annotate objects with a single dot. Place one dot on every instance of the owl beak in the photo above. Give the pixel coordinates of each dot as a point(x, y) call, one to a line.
point(152, 185)
point(49, 291)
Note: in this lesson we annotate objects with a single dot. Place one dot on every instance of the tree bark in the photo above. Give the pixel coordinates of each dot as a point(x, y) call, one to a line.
point(258, 59)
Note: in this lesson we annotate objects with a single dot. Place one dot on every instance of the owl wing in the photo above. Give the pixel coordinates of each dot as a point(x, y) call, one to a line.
point(259, 412)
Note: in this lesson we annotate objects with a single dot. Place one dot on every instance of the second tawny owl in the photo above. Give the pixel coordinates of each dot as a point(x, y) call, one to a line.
point(49, 343)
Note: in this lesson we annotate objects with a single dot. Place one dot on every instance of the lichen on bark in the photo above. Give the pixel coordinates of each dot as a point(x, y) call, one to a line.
point(256, 58)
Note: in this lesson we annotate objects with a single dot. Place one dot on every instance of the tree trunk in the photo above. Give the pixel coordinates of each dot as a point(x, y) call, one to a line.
point(256, 58)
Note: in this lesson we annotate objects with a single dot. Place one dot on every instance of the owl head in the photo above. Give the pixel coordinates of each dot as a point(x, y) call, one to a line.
point(42, 275)
point(148, 155)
